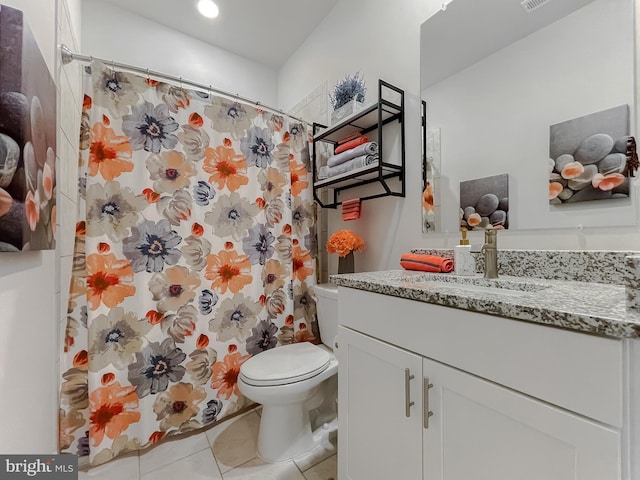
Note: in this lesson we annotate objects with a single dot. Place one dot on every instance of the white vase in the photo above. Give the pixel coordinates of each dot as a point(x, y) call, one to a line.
point(345, 110)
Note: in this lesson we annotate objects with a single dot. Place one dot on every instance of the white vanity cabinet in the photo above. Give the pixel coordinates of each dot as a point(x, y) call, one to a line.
point(509, 399)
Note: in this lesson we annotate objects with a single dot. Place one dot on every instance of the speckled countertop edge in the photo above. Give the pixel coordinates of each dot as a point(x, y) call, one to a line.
point(595, 308)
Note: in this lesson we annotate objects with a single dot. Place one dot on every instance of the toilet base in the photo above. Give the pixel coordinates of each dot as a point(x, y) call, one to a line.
point(289, 433)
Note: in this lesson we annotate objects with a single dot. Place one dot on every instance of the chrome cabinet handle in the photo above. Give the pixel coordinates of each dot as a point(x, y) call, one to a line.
point(427, 413)
point(407, 393)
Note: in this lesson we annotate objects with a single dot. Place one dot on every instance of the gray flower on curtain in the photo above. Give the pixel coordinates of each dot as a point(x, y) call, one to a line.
point(234, 318)
point(170, 171)
point(194, 140)
point(174, 287)
point(175, 97)
point(206, 301)
point(199, 368)
point(228, 116)
point(258, 245)
point(114, 338)
point(155, 366)
point(301, 216)
point(116, 91)
point(112, 210)
point(232, 215)
point(299, 139)
point(210, 414)
point(150, 127)
point(176, 208)
point(203, 192)
point(151, 245)
point(181, 324)
point(195, 251)
point(304, 306)
point(263, 337)
point(257, 147)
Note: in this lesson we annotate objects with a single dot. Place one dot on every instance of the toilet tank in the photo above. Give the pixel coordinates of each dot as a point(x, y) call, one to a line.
point(327, 308)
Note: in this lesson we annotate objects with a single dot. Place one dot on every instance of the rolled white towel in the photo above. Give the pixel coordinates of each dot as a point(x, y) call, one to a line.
point(354, 163)
point(369, 148)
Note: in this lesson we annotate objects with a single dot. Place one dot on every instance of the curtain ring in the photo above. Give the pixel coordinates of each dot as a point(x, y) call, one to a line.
point(181, 84)
point(113, 69)
point(148, 77)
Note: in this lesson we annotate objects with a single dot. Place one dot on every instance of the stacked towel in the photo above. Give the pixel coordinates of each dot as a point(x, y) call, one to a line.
point(426, 263)
point(351, 209)
point(349, 144)
point(369, 148)
point(352, 164)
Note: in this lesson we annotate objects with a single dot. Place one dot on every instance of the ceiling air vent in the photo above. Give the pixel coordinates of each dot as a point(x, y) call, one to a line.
point(531, 5)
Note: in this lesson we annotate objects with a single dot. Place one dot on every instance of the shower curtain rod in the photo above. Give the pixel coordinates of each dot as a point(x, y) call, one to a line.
point(68, 56)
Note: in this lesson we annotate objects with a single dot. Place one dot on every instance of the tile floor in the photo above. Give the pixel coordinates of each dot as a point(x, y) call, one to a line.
point(224, 452)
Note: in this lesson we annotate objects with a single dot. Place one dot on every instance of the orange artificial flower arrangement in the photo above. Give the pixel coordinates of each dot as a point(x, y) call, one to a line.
point(344, 242)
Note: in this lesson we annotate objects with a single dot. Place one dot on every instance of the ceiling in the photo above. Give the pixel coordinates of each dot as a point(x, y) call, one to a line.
point(264, 31)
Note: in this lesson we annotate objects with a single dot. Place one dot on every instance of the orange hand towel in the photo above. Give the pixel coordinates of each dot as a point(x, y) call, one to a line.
point(350, 144)
point(426, 263)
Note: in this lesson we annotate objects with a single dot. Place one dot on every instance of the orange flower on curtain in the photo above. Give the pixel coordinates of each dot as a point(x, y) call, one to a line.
point(108, 280)
point(113, 409)
point(227, 168)
point(225, 374)
point(110, 153)
point(229, 270)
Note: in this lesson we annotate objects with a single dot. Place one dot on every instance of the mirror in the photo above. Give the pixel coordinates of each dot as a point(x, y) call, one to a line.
point(496, 76)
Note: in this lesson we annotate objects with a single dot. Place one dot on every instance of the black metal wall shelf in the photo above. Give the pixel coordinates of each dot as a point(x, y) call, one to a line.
point(372, 118)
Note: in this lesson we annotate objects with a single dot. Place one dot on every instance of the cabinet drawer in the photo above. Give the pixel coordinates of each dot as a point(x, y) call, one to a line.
point(582, 373)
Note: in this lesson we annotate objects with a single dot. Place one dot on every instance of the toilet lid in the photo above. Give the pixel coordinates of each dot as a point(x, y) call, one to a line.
point(286, 364)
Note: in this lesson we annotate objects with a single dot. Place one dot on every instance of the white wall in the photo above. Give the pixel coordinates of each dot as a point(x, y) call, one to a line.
point(381, 40)
point(30, 285)
point(113, 33)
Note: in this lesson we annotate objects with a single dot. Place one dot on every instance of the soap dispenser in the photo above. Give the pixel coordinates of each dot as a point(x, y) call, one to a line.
point(463, 261)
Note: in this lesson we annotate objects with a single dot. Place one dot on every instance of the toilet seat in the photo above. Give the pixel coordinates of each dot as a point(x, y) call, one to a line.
point(284, 365)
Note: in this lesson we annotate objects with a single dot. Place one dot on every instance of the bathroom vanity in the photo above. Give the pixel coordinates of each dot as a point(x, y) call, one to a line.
point(457, 378)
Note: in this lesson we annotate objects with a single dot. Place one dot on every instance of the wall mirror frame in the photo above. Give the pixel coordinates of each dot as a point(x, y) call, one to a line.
point(495, 78)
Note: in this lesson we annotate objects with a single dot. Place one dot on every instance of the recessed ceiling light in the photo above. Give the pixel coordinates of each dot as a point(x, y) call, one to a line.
point(208, 8)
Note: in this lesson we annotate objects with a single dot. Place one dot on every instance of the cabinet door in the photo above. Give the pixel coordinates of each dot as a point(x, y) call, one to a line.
point(377, 438)
point(482, 431)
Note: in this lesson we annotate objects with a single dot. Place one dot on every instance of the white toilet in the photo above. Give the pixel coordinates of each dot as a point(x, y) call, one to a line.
point(289, 381)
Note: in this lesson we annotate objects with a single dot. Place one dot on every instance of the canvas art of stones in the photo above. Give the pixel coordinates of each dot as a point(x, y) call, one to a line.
point(484, 203)
point(588, 157)
point(27, 140)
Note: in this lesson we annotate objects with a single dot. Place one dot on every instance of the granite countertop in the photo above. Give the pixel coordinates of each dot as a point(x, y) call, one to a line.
point(590, 307)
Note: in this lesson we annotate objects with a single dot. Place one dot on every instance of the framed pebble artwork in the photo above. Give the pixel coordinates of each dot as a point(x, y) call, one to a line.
point(588, 157)
point(27, 139)
point(484, 203)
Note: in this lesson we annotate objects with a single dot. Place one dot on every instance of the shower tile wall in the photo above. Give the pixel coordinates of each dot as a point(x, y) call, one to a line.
point(315, 108)
point(69, 82)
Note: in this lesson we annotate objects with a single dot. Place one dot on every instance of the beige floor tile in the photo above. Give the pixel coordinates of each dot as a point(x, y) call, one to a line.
point(126, 467)
point(258, 470)
point(327, 470)
point(199, 466)
point(234, 442)
point(172, 450)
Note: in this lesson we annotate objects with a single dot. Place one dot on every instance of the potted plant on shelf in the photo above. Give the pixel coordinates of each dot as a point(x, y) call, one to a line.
point(347, 96)
point(344, 243)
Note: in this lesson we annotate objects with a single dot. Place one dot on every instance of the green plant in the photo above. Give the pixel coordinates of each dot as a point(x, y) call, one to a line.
point(351, 87)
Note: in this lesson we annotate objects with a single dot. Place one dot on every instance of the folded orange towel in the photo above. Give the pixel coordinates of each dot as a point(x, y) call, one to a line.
point(349, 138)
point(426, 263)
point(350, 144)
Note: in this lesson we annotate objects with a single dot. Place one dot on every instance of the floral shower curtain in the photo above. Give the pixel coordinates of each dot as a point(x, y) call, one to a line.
point(194, 250)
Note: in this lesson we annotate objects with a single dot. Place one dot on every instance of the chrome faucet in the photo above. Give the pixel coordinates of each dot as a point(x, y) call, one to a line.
point(490, 250)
